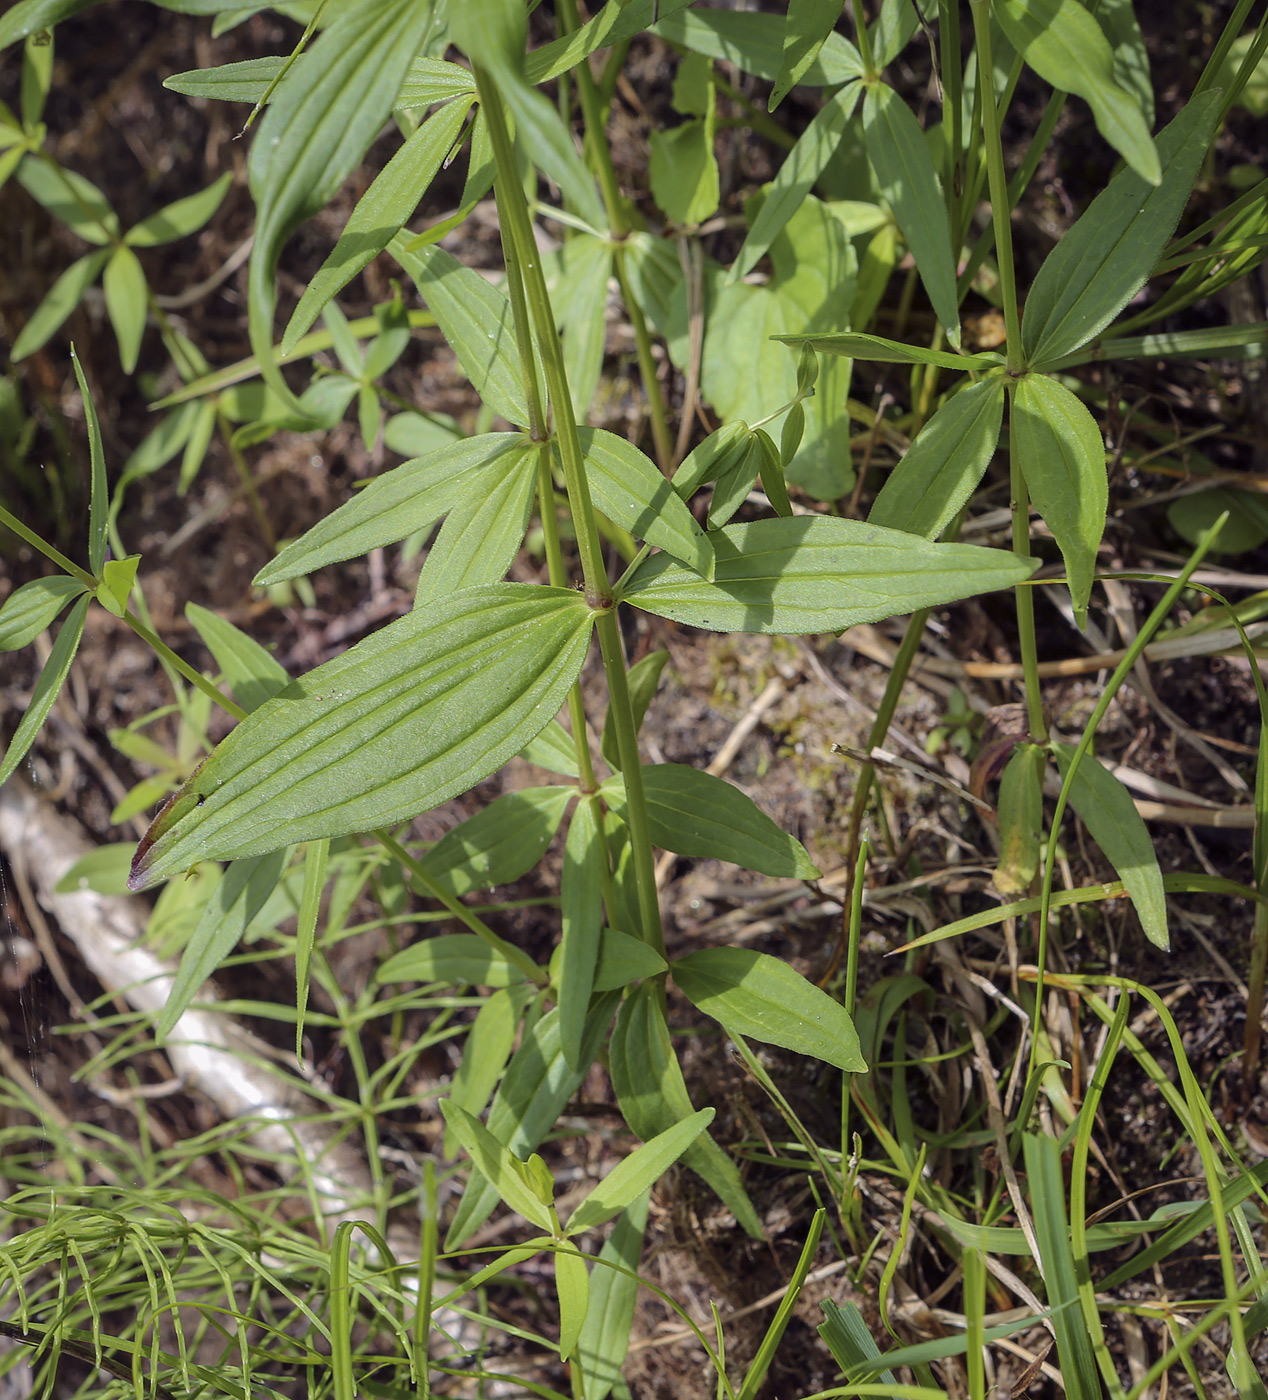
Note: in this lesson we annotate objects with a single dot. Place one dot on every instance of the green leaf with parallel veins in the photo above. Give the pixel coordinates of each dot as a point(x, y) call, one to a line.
point(614, 1285)
point(1131, 56)
point(1105, 807)
point(28, 610)
point(858, 346)
point(253, 674)
point(941, 469)
point(180, 218)
point(501, 843)
point(653, 1096)
point(487, 1048)
point(52, 677)
point(408, 498)
point(98, 499)
point(692, 813)
point(910, 185)
point(476, 320)
point(553, 749)
point(581, 913)
point(644, 677)
point(405, 720)
point(755, 43)
point(683, 172)
point(1063, 43)
point(579, 295)
point(496, 1164)
point(126, 303)
point(755, 995)
point(806, 31)
point(1020, 820)
point(1062, 456)
point(427, 80)
point(380, 213)
point(624, 959)
point(572, 1287)
point(61, 299)
point(1109, 254)
point(459, 959)
point(816, 574)
point(68, 196)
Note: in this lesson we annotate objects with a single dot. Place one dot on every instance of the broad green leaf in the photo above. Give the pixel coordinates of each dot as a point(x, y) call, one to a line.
point(605, 1338)
point(476, 320)
point(755, 995)
point(624, 959)
point(28, 610)
point(238, 897)
point(1109, 254)
point(636, 1173)
point(755, 43)
point(1131, 56)
point(579, 295)
point(62, 298)
point(816, 574)
point(581, 918)
point(683, 171)
point(692, 813)
point(324, 115)
point(941, 469)
point(910, 185)
point(98, 499)
point(858, 346)
point(103, 869)
point(1062, 42)
point(253, 674)
point(554, 750)
point(1107, 810)
point(630, 491)
point(801, 167)
point(501, 843)
point(427, 80)
point(484, 1054)
point(1245, 526)
point(894, 26)
point(126, 303)
point(1061, 453)
point(537, 1084)
point(431, 80)
point(1020, 820)
point(644, 677)
point(711, 458)
point(572, 1286)
point(410, 497)
point(460, 959)
point(180, 218)
point(51, 680)
point(68, 196)
point(380, 213)
point(403, 721)
point(417, 434)
point(495, 1163)
point(806, 30)
point(653, 1096)
point(482, 535)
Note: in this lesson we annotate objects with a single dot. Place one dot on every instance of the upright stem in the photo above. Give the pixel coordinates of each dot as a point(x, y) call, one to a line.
point(863, 38)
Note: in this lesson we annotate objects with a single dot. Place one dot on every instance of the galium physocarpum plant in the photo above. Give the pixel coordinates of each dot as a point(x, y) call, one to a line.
point(480, 669)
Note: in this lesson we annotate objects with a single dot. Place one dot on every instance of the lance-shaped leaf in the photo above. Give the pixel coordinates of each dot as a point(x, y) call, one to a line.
point(581, 916)
point(614, 1285)
point(68, 196)
point(1107, 810)
point(460, 959)
point(180, 218)
point(940, 470)
point(858, 346)
point(1063, 43)
point(644, 677)
point(487, 1048)
point(502, 842)
point(98, 497)
point(1062, 456)
point(380, 213)
point(497, 1164)
point(755, 995)
point(695, 814)
point(403, 721)
point(253, 673)
point(806, 30)
point(126, 303)
point(62, 298)
point(909, 183)
point(624, 959)
point(324, 114)
point(408, 498)
point(572, 1288)
point(817, 574)
point(28, 610)
point(1020, 820)
point(51, 680)
point(428, 80)
point(755, 43)
point(1105, 259)
point(653, 1096)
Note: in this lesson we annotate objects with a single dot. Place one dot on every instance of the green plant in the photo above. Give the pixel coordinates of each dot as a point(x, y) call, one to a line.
point(324, 772)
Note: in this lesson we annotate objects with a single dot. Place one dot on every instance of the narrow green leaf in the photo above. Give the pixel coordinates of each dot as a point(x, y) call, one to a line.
point(653, 1096)
point(126, 303)
point(68, 196)
point(500, 843)
point(644, 677)
point(103, 869)
point(1020, 820)
point(52, 677)
point(632, 493)
point(476, 320)
point(858, 346)
point(380, 213)
point(1131, 56)
point(695, 814)
point(581, 912)
point(736, 480)
point(910, 185)
point(404, 720)
point(1109, 254)
point(941, 469)
point(579, 295)
point(28, 16)
point(1063, 43)
point(238, 897)
point(159, 445)
point(554, 750)
point(99, 498)
point(316, 856)
point(180, 218)
point(62, 298)
point(605, 1338)
point(806, 30)
point(495, 1163)
point(37, 78)
point(324, 114)
point(426, 81)
point(572, 1286)
point(253, 674)
point(849, 1340)
point(816, 574)
point(28, 610)
point(624, 959)
point(755, 43)
point(195, 450)
point(408, 498)
point(459, 959)
point(487, 1048)
point(1062, 456)
point(636, 1173)
point(1105, 807)
point(755, 995)
point(711, 458)
point(892, 30)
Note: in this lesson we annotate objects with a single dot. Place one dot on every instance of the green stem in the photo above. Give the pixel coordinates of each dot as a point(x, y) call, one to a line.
point(863, 38)
point(47, 550)
point(1020, 507)
point(195, 678)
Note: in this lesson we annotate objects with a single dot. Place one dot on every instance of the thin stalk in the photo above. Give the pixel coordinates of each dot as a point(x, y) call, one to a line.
point(952, 106)
point(51, 553)
point(168, 656)
point(863, 39)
